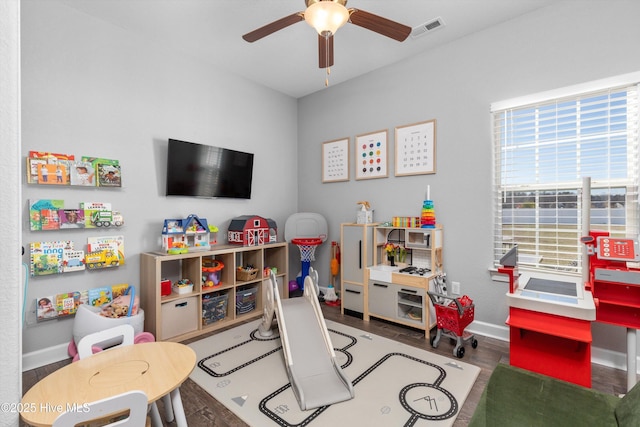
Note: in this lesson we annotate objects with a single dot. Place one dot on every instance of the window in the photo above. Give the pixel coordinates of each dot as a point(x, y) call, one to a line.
point(544, 146)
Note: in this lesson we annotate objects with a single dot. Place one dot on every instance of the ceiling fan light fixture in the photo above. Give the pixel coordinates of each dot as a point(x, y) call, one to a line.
point(326, 16)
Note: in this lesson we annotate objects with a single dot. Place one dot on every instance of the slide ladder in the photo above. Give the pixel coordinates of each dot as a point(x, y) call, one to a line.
point(315, 376)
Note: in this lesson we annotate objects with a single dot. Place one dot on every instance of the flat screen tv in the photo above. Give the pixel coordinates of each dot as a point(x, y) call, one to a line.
point(205, 171)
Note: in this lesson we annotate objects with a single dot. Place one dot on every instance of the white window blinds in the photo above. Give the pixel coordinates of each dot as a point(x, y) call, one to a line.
point(543, 149)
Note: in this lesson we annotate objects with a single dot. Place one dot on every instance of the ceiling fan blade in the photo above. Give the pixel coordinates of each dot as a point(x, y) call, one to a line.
point(380, 25)
point(325, 51)
point(273, 27)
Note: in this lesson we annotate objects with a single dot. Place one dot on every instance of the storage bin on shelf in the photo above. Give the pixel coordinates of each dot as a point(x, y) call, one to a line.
point(244, 274)
point(246, 300)
point(183, 286)
point(214, 308)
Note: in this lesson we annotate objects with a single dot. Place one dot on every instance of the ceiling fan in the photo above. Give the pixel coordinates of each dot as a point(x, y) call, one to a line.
point(327, 16)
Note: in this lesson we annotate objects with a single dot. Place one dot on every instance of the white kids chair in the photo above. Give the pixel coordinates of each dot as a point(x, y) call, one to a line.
point(126, 332)
point(133, 402)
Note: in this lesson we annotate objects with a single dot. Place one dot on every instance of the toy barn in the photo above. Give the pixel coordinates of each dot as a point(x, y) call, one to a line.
point(251, 230)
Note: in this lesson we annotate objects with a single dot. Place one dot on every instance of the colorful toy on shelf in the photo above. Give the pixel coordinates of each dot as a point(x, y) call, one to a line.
point(191, 233)
point(211, 272)
point(183, 286)
point(428, 216)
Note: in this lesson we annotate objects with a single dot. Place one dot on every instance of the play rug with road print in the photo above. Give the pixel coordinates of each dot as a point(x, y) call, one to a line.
point(395, 384)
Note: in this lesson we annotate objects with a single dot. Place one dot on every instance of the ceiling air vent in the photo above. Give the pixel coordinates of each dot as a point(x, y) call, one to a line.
point(427, 27)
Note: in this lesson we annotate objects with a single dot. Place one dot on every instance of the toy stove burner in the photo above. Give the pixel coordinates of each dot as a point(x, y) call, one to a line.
point(415, 270)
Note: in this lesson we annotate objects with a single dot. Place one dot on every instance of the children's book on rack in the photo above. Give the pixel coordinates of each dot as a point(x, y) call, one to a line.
point(71, 218)
point(72, 260)
point(100, 296)
point(45, 308)
point(41, 214)
point(90, 209)
point(83, 173)
point(108, 243)
point(109, 175)
point(66, 304)
point(47, 257)
point(44, 167)
point(50, 220)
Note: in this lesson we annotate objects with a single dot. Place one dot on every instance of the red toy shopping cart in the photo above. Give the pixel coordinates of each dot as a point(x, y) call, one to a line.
point(453, 315)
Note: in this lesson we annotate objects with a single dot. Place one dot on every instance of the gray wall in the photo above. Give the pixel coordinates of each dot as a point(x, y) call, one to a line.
point(569, 43)
point(90, 88)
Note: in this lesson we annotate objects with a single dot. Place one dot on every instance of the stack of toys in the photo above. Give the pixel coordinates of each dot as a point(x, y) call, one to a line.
point(428, 216)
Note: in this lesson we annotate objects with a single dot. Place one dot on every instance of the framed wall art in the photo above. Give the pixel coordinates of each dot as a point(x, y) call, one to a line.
point(416, 148)
point(335, 160)
point(371, 155)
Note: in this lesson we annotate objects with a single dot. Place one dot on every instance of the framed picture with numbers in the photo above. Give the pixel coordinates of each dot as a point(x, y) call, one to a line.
point(416, 148)
point(335, 160)
point(371, 155)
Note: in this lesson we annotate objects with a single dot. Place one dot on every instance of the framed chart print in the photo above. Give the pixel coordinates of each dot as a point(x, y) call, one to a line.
point(335, 160)
point(416, 148)
point(371, 155)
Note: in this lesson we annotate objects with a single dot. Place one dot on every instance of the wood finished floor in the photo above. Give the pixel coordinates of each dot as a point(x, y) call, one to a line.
point(203, 410)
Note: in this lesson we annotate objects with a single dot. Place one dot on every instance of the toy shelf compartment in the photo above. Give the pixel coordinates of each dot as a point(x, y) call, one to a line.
point(180, 267)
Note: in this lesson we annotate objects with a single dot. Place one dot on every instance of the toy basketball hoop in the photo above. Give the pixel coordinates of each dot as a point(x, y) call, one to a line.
point(307, 246)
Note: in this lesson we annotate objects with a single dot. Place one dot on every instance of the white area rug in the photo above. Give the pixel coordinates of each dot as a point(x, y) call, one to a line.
point(395, 384)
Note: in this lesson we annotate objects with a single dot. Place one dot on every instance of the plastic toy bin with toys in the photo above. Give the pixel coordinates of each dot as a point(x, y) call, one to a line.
point(246, 299)
point(214, 307)
point(183, 286)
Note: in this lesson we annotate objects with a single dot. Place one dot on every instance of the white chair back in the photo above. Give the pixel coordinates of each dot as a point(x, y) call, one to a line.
point(135, 402)
point(85, 346)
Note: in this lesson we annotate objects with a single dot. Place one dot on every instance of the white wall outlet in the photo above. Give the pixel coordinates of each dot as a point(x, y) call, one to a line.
point(455, 288)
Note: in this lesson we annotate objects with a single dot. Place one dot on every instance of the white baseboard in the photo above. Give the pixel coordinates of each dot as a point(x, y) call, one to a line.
point(600, 356)
point(36, 359)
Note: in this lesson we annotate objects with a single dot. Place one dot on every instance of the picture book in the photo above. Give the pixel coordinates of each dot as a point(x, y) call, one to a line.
point(45, 309)
point(119, 289)
point(35, 211)
point(100, 296)
point(37, 158)
point(71, 218)
point(32, 169)
point(50, 155)
point(83, 173)
point(72, 260)
point(107, 242)
point(109, 175)
point(53, 173)
point(67, 303)
point(95, 206)
point(84, 297)
point(90, 208)
point(95, 160)
point(49, 219)
point(47, 257)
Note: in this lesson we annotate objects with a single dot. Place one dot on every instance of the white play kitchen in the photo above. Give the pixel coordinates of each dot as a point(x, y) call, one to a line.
point(387, 271)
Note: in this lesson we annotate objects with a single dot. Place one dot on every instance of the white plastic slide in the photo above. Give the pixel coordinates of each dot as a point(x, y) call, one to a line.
point(315, 376)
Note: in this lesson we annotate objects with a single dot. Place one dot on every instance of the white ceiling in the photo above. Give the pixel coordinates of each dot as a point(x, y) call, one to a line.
point(287, 61)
